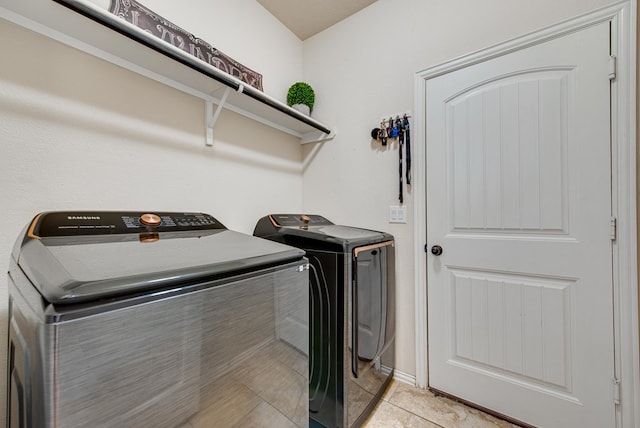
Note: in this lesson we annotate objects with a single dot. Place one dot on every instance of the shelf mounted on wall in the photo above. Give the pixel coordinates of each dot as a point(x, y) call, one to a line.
point(256, 105)
point(125, 45)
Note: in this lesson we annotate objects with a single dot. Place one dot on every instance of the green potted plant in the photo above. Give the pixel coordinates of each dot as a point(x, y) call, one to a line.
point(301, 97)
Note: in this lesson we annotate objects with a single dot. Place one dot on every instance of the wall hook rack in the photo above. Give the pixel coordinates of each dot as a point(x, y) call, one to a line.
point(385, 119)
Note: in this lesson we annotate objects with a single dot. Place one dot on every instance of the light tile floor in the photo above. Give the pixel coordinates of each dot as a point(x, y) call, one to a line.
point(404, 406)
point(265, 392)
point(270, 393)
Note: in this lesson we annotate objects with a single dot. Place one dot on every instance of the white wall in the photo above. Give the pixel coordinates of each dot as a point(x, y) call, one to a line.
point(79, 133)
point(363, 69)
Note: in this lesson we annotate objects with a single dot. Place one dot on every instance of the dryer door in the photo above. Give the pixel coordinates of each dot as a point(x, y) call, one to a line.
point(374, 312)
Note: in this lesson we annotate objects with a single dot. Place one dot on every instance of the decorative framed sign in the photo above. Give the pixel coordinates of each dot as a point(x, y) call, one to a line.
point(149, 21)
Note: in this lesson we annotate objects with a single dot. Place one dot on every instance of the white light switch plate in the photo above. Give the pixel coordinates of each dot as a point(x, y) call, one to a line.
point(397, 214)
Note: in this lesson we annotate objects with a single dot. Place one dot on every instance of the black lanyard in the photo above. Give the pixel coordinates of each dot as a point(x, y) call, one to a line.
point(400, 147)
point(404, 136)
point(405, 125)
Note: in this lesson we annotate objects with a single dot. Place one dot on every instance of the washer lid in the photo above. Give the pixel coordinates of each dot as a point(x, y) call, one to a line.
point(312, 230)
point(318, 227)
point(70, 269)
point(347, 233)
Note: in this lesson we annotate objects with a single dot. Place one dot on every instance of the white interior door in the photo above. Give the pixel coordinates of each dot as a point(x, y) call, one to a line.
point(520, 311)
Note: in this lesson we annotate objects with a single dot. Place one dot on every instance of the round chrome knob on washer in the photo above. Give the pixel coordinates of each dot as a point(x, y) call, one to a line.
point(150, 219)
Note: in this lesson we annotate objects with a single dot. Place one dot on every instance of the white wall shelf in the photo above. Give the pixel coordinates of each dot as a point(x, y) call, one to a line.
point(125, 45)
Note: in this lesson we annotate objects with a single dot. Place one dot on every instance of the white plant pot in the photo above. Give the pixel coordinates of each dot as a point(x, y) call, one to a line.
point(302, 108)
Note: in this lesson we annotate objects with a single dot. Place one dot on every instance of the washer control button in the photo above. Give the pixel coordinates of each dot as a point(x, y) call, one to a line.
point(150, 219)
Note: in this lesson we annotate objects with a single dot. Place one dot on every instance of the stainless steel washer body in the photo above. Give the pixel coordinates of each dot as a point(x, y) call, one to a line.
point(153, 320)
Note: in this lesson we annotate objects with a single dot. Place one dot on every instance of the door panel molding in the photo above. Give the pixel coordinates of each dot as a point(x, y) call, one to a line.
point(475, 118)
point(622, 18)
point(537, 309)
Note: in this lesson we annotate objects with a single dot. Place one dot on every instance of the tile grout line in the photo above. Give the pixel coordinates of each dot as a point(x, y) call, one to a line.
point(416, 415)
point(392, 391)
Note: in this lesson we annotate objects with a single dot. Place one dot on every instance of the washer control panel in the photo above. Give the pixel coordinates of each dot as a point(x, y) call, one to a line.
point(78, 223)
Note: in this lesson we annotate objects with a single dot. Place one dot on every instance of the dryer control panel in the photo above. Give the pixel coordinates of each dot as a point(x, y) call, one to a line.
point(81, 223)
point(297, 220)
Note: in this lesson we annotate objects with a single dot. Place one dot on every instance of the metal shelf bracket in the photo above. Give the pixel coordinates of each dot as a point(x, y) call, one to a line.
point(211, 117)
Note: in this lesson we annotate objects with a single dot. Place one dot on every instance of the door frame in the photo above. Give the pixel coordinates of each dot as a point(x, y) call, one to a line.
point(622, 16)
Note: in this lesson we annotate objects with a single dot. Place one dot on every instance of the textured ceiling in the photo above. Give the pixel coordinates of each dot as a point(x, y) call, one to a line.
point(308, 17)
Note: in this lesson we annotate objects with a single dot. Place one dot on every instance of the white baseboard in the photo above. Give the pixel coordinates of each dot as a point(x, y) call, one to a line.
point(404, 377)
